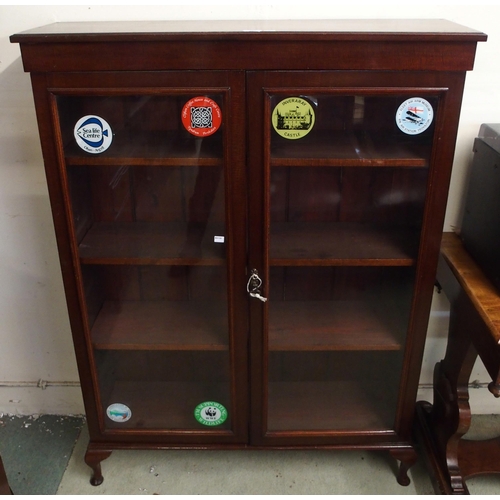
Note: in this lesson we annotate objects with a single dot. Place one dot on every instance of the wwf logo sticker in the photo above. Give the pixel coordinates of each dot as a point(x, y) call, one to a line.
point(210, 413)
point(93, 134)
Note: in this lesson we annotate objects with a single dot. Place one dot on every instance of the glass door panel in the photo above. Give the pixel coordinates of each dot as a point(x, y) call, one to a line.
point(347, 183)
point(320, 391)
point(146, 179)
point(351, 130)
point(330, 331)
point(339, 215)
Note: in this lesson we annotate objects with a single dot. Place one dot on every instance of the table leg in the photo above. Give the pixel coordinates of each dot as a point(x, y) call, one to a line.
point(449, 418)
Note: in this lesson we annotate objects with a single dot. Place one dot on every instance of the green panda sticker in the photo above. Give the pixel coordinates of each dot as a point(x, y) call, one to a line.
point(210, 413)
point(293, 118)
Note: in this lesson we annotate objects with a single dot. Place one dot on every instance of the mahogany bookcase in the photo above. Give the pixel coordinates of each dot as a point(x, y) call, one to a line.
point(248, 216)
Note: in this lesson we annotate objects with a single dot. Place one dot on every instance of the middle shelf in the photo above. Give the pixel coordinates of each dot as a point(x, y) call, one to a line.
point(291, 244)
point(341, 243)
point(157, 243)
point(293, 326)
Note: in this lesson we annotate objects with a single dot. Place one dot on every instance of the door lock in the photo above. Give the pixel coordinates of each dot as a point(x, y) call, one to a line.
point(254, 285)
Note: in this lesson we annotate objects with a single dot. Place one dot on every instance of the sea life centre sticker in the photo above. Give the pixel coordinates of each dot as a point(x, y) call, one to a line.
point(210, 413)
point(293, 118)
point(201, 116)
point(118, 412)
point(93, 134)
point(414, 116)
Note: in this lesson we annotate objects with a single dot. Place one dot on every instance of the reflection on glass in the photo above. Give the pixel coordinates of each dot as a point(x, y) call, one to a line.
point(149, 214)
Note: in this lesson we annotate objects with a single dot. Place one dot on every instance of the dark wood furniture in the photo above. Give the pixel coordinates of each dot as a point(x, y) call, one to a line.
point(4, 484)
point(474, 330)
point(249, 231)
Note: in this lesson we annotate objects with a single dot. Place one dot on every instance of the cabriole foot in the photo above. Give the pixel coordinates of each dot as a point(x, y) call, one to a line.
point(93, 459)
point(407, 458)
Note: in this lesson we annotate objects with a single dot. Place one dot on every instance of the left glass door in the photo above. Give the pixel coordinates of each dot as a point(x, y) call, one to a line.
point(146, 179)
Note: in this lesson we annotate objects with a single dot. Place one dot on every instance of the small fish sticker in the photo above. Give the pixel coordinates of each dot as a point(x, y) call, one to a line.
point(93, 134)
point(118, 412)
point(121, 415)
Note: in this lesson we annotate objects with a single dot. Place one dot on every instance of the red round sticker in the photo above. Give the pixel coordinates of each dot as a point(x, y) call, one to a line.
point(201, 116)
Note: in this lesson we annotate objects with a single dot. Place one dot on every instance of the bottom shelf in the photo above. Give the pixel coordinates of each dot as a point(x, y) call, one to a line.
point(330, 406)
point(166, 405)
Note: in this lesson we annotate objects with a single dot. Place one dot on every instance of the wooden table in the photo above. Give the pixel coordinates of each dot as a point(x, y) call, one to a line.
point(474, 330)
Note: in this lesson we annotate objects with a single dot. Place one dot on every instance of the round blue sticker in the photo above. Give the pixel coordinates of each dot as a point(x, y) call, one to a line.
point(414, 116)
point(93, 134)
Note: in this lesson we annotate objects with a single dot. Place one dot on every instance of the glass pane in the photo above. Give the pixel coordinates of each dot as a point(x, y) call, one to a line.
point(321, 391)
point(336, 341)
point(149, 215)
point(352, 130)
point(162, 389)
point(332, 215)
point(147, 195)
point(139, 127)
point(348, 176)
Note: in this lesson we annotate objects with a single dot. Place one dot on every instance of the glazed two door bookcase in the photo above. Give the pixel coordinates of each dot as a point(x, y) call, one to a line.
point(248, 221)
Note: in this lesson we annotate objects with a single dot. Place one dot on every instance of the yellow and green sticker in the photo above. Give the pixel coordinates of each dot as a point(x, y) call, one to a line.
point(293, 118)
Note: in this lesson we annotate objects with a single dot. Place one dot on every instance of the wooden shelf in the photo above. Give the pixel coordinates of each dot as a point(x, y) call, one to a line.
point(330, 405)
point(336, 326)
point(341, 244)
point(151, 243)
point(348, 150)
point(167, 405)
point(161, 325)
point(151, 149)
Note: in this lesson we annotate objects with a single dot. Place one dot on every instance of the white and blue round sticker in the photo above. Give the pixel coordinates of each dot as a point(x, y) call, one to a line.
point(414, 116)
point(118, 412)
point(93, 134)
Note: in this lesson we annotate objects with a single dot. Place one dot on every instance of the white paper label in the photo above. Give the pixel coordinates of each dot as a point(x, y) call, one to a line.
point(218, 239)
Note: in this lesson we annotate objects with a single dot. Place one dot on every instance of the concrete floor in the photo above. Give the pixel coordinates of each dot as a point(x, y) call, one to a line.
point(54, 453)
point(180, 472)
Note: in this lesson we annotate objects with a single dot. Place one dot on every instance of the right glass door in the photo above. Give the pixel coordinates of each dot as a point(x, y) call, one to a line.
point(347, 175)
